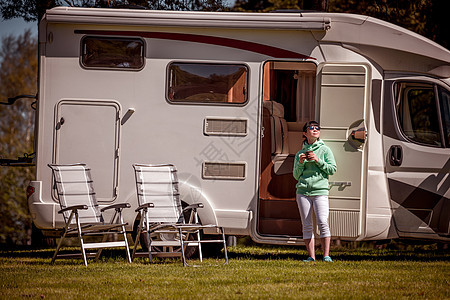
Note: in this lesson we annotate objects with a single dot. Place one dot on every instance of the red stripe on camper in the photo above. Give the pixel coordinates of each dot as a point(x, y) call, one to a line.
point(213, 40)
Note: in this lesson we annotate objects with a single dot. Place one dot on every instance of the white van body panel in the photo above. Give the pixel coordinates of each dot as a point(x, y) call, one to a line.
point(343, 67)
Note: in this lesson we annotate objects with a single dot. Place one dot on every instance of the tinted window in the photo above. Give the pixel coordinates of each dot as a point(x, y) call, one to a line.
point(99, 52)
point(444, 97)
point(417, 113)
point(207, 83)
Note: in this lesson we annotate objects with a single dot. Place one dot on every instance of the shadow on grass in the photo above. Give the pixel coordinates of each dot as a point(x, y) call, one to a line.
point(38, 254)
point(348, 256)
point(47, 253)
point(391, 252)
point(26, 251)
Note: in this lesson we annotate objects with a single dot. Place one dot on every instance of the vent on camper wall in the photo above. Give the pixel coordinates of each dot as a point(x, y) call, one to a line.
point(344, 223)
point(220, 126)
point(223, 170)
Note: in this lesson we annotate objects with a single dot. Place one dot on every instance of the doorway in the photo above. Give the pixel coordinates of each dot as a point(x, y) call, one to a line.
point(288, 102)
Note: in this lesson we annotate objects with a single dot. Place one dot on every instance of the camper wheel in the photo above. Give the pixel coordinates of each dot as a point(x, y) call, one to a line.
point(190, 251)
point(208, 250)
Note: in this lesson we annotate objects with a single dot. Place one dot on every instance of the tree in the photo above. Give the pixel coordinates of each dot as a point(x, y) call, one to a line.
point(29, 10)
point(426, 18)
point(273, 5)
point(18, 69)
point(33, 10)
point(319, 5)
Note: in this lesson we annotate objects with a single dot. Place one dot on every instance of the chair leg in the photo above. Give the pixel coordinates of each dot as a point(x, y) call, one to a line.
point(144, 218)
point(224, 246)
point(194, 215)
point(147, 230)
point(83, 252)
point(66, 230)
point(150, 257)
point(182, 247)
point(80, 236)
point(200, 253)
point(120, 219)
point(59, 246)
point(136, 243)
point(127, 248)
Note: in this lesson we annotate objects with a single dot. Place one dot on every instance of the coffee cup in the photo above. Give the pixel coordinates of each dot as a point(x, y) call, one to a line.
point(308, 154)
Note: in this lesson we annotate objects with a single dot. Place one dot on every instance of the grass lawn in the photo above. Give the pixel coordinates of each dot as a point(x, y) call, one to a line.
point(265, 272)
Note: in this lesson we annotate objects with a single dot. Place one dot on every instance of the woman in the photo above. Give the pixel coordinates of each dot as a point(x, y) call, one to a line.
point(312, 166)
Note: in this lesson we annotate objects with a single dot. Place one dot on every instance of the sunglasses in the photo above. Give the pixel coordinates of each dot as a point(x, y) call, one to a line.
point(314, 127)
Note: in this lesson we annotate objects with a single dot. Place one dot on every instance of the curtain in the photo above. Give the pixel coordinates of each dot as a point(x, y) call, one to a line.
point(305, 93)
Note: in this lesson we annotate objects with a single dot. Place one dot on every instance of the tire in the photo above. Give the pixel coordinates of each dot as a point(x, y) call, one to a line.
point(190, 252)
point(39, 240)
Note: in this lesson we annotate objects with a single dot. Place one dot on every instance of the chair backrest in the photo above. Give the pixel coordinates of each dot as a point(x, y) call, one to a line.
point(158, 184)
point(74, 186)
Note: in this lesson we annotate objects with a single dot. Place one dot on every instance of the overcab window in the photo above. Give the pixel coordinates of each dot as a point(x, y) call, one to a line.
point(207, 83)
point(117, 53)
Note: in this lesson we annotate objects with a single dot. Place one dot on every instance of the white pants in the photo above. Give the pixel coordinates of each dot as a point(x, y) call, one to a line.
point(321, 209)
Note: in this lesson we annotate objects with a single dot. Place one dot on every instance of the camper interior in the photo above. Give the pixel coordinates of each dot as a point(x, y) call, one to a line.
point(288, 102)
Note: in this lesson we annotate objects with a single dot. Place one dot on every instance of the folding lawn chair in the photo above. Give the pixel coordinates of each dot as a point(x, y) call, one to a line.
point(82, 216)
point(162, 218)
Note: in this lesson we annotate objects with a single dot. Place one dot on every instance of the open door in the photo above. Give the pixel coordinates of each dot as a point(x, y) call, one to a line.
point(343, 97)
point(88, 132)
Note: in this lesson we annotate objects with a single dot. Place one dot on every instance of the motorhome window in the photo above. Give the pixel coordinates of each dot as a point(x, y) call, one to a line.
point(207, 83)
point(444, 97)
point(117, 53)
point(418, 115)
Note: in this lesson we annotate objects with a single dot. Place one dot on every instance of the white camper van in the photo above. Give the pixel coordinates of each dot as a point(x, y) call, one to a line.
point(224, 96)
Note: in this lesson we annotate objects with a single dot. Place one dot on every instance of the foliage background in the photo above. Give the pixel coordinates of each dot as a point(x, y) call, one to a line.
point(18, 73)
point(18, 70)
point(425, 17)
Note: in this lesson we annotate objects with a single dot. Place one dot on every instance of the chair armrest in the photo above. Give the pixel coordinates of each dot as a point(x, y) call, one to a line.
point(116, 206)
point(74, 207)
point(145, 205)
point(193, 206)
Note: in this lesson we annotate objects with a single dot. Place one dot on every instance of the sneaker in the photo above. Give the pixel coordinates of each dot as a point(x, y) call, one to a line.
point(327, 259)
point(309, 259)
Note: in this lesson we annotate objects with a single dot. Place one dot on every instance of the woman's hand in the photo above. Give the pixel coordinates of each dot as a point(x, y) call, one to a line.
point(302, 158)
point(310, 156)
point(313, 157)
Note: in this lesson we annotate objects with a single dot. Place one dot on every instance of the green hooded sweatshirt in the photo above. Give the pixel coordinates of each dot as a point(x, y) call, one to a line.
point(312, 176)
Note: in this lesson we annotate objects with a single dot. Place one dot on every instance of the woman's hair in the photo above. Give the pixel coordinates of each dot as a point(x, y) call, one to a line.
point(309, 123)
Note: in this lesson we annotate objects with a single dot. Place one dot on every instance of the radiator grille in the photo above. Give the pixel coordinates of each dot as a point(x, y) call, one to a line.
point(221, 170)
point(344, 223)
point(217, 126)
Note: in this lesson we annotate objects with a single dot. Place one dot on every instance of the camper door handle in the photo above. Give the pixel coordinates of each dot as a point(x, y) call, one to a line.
point(359, 134)
point(395, 155)
point(60, 123)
